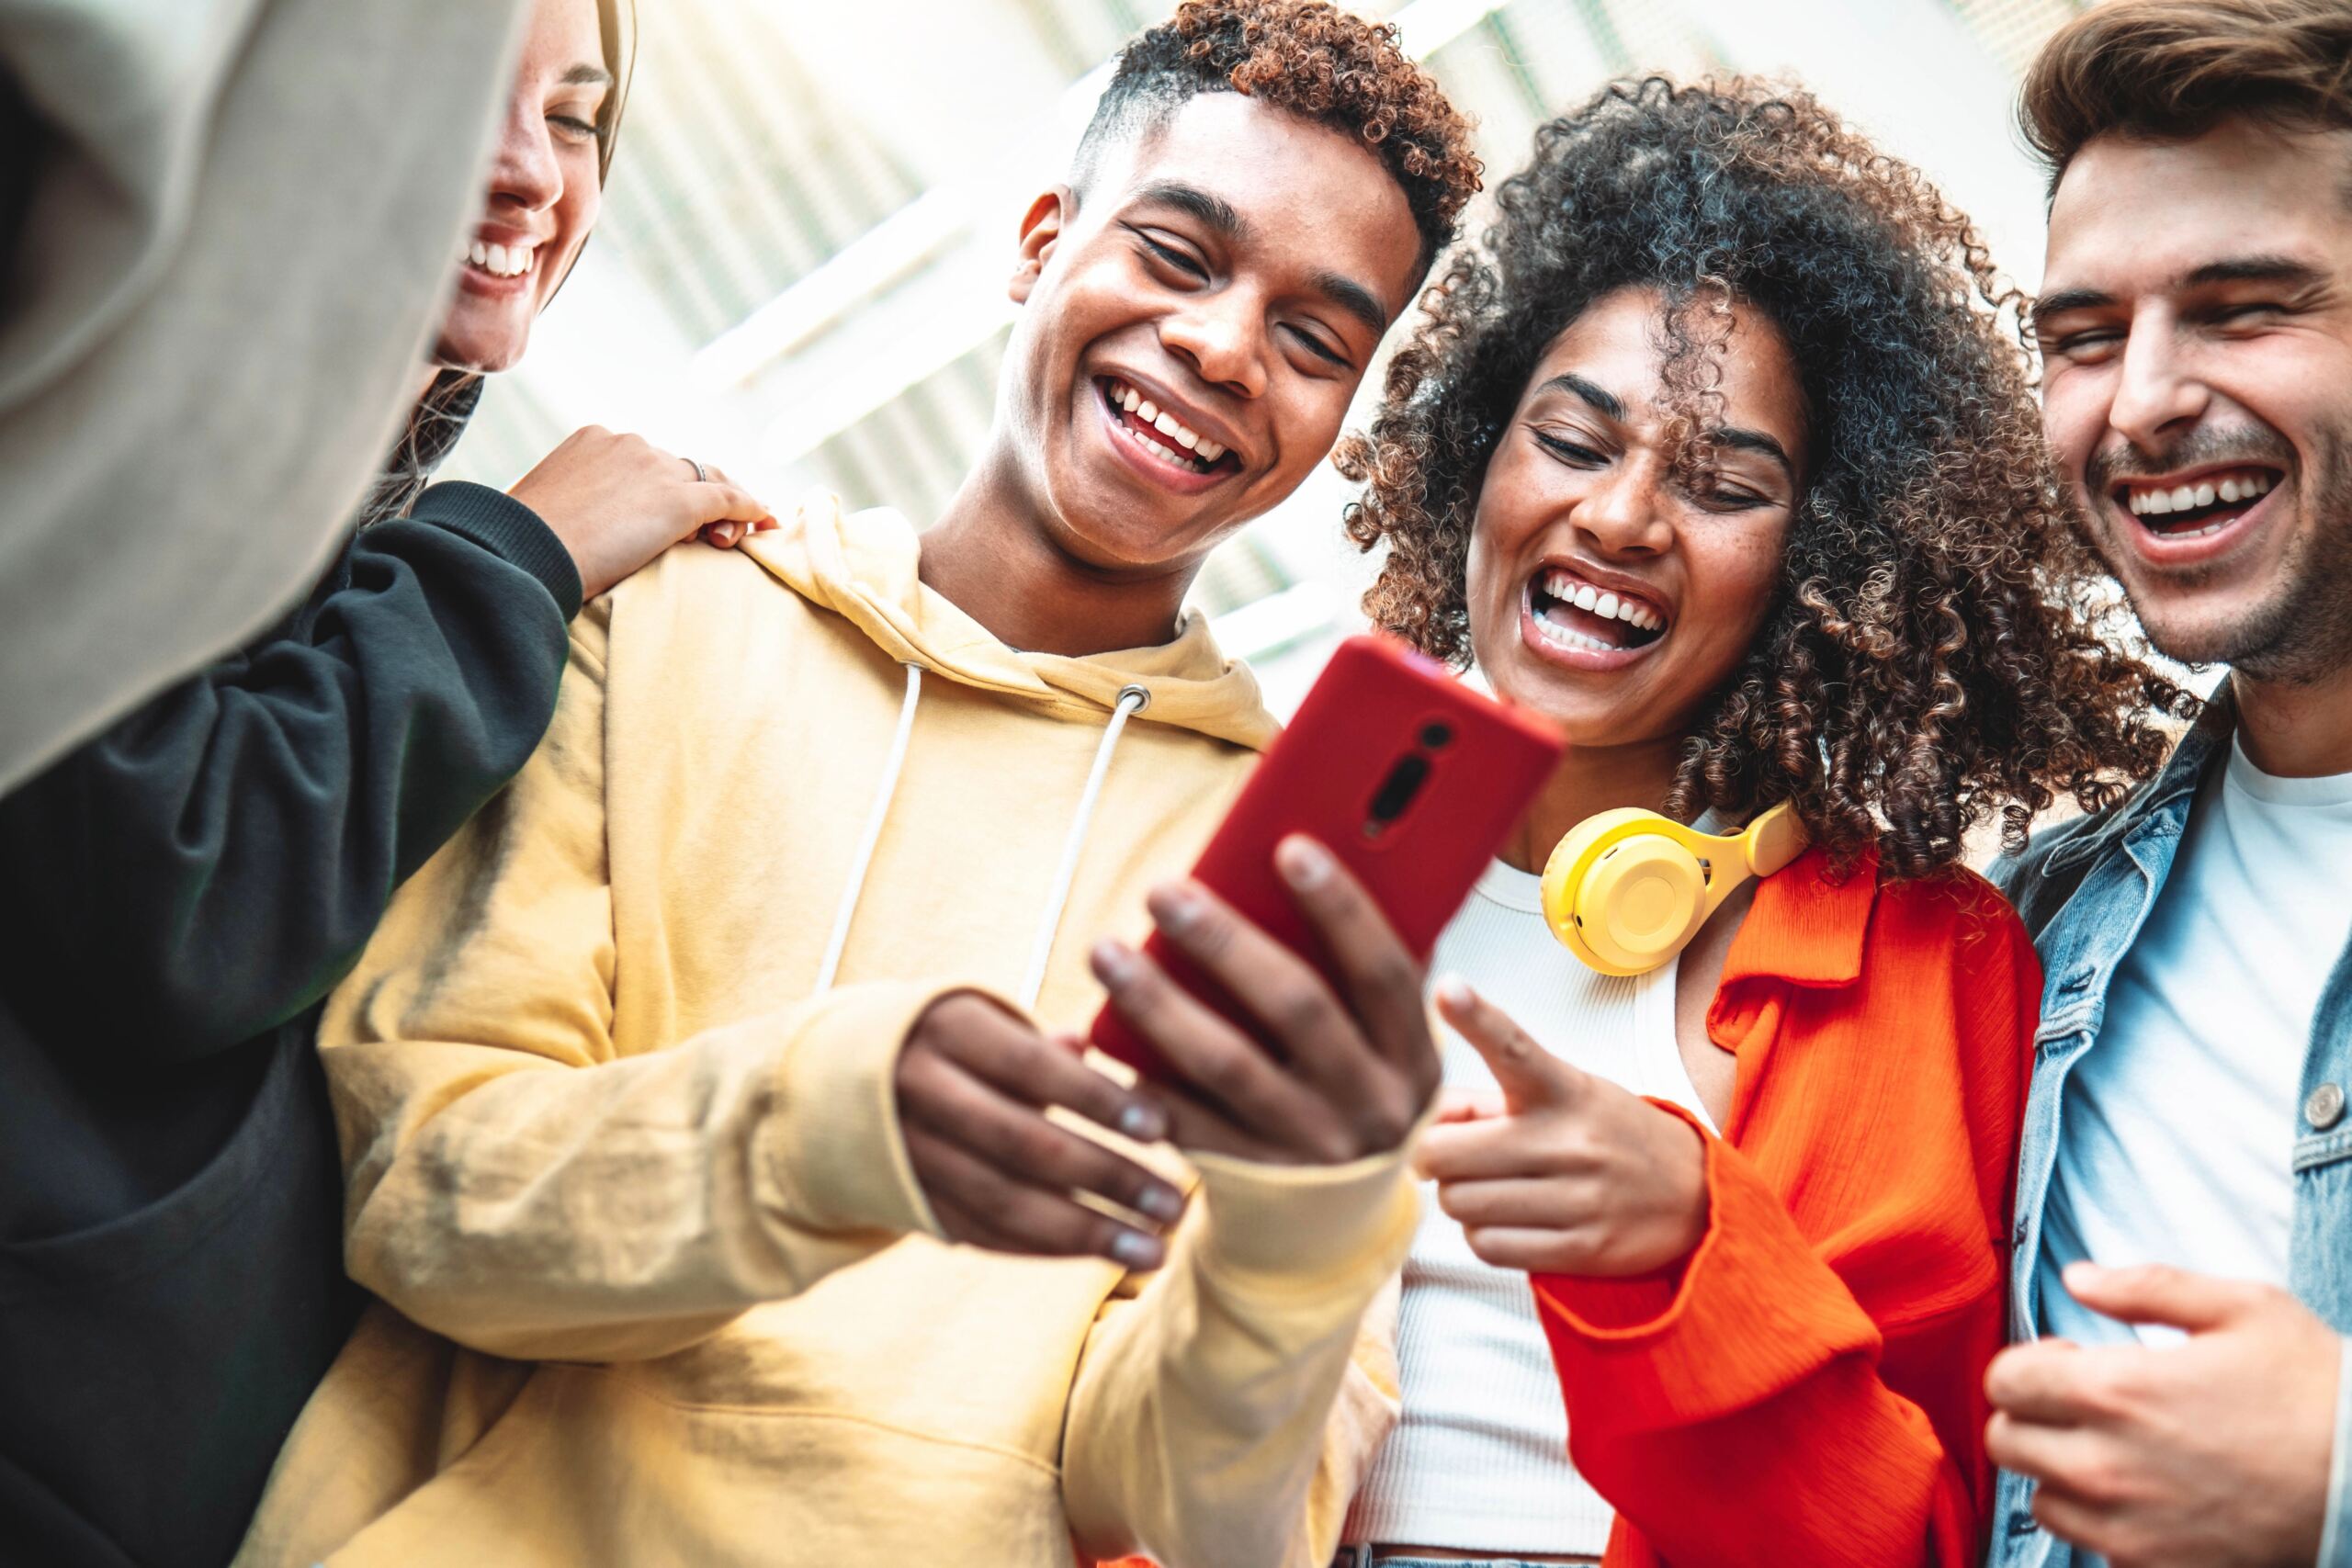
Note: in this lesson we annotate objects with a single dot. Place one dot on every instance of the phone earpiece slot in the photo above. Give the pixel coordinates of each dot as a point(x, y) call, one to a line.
point(1395, 793)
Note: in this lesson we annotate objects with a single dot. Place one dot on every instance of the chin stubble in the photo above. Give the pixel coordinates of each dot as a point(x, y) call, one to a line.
point(2302, 631)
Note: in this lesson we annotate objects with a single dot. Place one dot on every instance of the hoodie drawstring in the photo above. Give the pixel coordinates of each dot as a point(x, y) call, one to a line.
point(872, 834)
point(1132, 700)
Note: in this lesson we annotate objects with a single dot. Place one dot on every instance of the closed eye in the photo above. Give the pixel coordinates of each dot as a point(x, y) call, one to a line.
point(1321, 350)
point(1170, 256)
point(1568, 452)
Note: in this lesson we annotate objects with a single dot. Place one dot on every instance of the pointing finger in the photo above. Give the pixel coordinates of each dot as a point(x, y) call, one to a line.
point(1532, 1078)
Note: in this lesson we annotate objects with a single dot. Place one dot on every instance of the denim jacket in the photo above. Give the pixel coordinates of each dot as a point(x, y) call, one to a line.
point(2084, 888)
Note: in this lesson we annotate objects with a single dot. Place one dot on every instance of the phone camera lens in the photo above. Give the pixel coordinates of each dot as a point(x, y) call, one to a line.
point(1435, 734)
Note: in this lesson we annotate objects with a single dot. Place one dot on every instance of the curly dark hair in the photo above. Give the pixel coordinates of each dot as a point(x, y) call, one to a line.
point(1317, 62)
point(1935, 649)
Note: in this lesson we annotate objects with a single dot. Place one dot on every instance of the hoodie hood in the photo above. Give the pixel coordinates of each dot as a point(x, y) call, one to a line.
point(863, 566)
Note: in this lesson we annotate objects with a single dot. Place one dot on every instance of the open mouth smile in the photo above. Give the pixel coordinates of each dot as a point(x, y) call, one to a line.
point(1158, 436)
point(1587, 626)
point(2195, 506)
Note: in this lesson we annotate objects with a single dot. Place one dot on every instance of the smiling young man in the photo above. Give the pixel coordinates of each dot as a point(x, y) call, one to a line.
point(669, 1089)
point(2185, 1204)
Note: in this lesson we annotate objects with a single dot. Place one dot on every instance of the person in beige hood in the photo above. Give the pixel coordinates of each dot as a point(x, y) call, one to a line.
point(698, 1100)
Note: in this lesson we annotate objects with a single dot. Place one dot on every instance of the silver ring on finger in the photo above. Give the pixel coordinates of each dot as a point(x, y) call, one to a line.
point(701, 474)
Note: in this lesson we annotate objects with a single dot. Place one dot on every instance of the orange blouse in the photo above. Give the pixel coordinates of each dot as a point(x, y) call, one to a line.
point(1807, 1386)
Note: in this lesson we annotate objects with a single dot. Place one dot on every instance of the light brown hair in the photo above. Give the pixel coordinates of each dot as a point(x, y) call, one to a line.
point(2170, 70)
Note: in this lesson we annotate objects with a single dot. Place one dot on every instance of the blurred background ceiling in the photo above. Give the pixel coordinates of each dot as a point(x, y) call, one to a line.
point(800, 273)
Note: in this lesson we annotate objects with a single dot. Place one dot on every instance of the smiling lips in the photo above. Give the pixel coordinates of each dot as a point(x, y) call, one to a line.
point(1575, 615)
point(1162, 435)
point(2205, 504)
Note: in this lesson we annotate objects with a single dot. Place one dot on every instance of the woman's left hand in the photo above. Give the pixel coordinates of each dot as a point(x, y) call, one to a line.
point(1574, 1176)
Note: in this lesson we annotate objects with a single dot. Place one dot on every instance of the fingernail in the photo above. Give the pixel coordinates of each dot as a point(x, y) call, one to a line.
point(1455, 992)
point(1113, 965)
point(1304, 864)
point(1163, 1204)
point(1173, 908)
point(1135, 1250)
point(1144, 1123)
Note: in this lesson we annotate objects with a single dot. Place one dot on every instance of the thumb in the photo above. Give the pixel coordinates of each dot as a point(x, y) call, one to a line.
point(2154, 1293)
point(1531, 1077)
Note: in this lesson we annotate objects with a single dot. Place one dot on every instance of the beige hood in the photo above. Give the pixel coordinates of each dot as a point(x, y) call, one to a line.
point(863, 567)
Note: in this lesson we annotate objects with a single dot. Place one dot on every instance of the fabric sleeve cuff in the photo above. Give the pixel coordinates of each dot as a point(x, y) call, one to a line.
point(507, 530)
point(835, 1153)
point(1751, 1311)
point(2336, 1534)
point(1300, 1227)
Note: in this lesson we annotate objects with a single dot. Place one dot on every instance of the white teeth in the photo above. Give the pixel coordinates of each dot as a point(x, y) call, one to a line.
point(1558, 584)
point(1562, 637)
point(501, 261)
point(1129, 400)
point(2228, 491)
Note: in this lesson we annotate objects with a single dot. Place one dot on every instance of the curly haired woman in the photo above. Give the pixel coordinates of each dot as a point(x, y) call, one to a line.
point(1717, 453)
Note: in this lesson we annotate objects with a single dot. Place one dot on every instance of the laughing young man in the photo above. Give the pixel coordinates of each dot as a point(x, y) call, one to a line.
point(2184, 1238)
point(667, 1088)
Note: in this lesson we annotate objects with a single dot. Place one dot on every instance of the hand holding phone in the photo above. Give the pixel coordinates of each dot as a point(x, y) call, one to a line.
point(1353, 1066)
point(1279, 1002)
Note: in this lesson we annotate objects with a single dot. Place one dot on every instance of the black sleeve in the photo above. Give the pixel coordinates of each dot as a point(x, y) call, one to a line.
point(211, 865)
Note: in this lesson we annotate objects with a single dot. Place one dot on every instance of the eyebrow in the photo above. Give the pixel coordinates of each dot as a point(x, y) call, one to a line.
point(1755, 441)
point(2067, 299)
point(585, 75)
point(1605, 401)
point(1220, 216)
point(1353, 297)
point(1213, 211)
point(2232, 269)
point(2253, 269)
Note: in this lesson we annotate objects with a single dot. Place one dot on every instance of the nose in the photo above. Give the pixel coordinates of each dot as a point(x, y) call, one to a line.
point(1221, 337)
point(525, 174)
point(1625, 514)
point(2156, 396)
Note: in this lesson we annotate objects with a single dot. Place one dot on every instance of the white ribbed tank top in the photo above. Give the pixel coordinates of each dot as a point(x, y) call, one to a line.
point(1480, 1461)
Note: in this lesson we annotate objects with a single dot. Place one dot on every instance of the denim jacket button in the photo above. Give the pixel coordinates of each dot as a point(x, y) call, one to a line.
point(2325, 1109)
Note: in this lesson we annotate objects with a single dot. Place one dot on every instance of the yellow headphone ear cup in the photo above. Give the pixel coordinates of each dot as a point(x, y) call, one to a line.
point(1641, 903)
point(1622, 895)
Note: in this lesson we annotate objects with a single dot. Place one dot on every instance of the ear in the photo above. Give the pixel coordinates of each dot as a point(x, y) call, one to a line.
point(1040, 227)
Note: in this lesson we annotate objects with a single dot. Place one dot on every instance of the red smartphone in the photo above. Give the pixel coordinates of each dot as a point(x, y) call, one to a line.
point(1411, 777)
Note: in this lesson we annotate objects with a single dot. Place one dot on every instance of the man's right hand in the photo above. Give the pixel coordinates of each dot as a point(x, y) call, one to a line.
point(619, 501)
point(973, 1084)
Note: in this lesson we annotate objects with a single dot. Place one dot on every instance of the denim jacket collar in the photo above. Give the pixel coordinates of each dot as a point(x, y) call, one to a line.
point(2180, 776)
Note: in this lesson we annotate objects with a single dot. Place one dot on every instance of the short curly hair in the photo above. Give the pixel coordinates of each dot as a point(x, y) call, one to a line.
point(1935, 649)
point(1317, 62)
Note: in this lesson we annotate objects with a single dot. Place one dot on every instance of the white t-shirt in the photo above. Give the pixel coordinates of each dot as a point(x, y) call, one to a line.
point(1480, 1461)
point(2178, 1125)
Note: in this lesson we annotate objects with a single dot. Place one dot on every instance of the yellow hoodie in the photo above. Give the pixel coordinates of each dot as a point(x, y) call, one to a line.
point(614, 1085)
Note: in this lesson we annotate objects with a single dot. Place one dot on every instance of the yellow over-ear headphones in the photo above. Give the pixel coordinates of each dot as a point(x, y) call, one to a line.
point(1628, 889)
